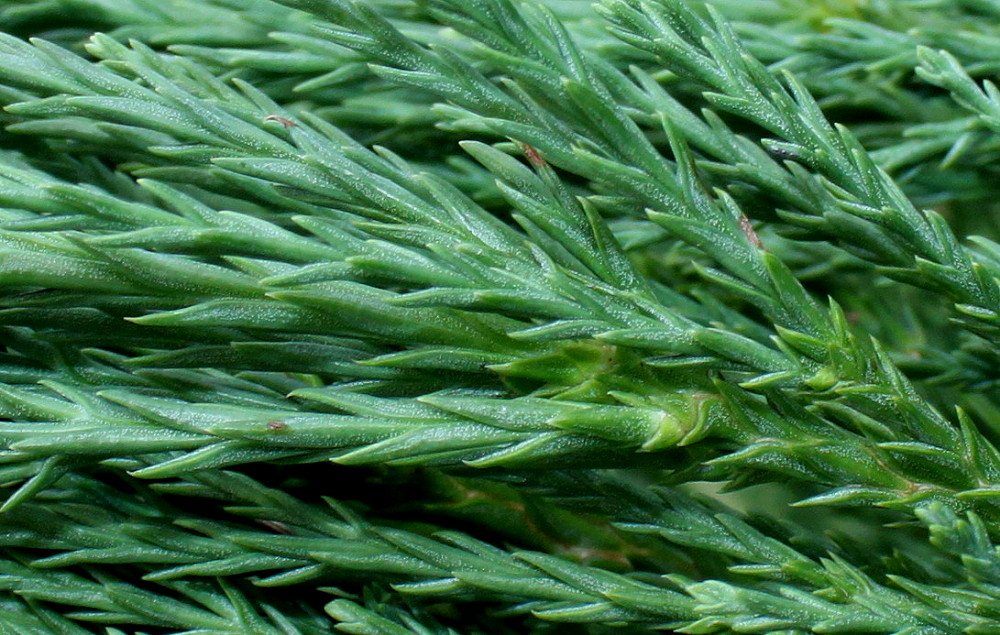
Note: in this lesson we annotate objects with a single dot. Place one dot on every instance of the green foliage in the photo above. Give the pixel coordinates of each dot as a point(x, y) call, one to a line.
point(499, 316)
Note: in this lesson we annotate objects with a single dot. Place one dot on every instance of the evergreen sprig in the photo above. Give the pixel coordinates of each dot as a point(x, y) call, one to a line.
point(457, 304)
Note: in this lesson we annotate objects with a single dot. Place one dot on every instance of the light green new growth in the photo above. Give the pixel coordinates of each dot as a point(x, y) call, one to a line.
point(476, 316)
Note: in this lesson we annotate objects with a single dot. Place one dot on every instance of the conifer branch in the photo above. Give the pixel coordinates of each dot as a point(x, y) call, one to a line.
point(743, 87)
point(634, 315)
point(208, 264)
point(315, 545)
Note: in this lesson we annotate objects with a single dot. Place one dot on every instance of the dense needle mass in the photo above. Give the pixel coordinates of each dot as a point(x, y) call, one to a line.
point(481, 316)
